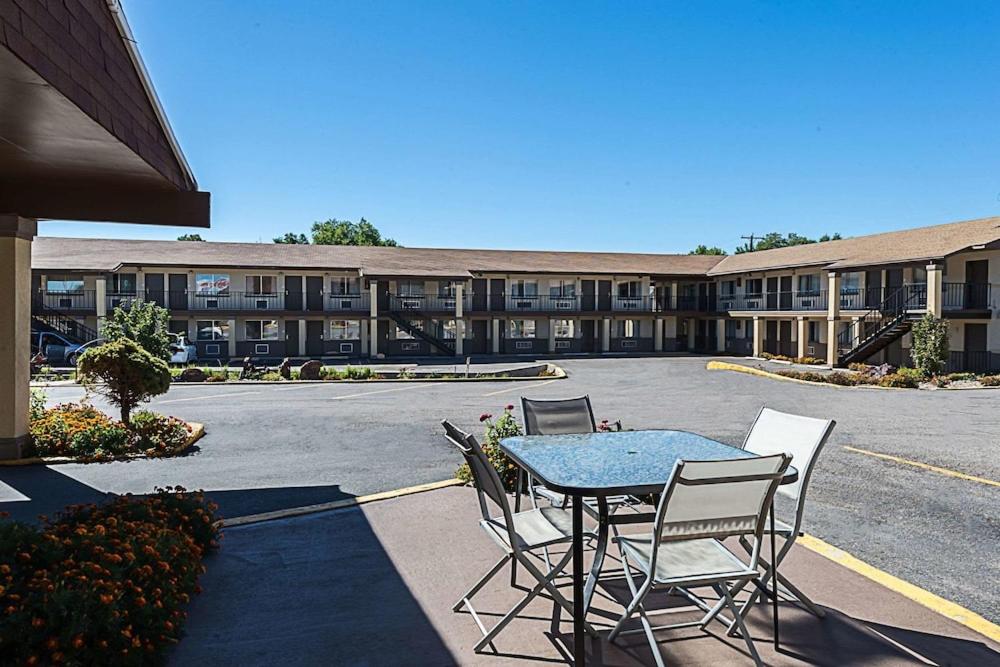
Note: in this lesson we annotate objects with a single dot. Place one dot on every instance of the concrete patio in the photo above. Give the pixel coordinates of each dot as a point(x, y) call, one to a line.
point(374, 585)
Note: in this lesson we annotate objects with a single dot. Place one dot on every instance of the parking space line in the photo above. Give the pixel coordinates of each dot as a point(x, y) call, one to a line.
point(520, 388)
point(925, 466)
point(202, 398)
point(304, 386)
point(385, 391)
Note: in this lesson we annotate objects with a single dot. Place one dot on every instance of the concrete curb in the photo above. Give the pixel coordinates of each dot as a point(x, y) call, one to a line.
point(759, 372)
point(946, 608)
point(335, 505)
point(197, 431)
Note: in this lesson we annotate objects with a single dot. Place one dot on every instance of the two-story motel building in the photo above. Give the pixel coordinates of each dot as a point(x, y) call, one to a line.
point(846, 300)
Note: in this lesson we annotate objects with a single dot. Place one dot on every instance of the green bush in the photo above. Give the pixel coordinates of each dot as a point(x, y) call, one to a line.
point(330, 373)
point(929, 349)
point(144, 322)
point(899, 379)
point(272, 376)
point(358, 373)
point(990, 380)
point(504, 426)
point(155, 434)
point(124, 373)
point(66, 430)
point(37, 404)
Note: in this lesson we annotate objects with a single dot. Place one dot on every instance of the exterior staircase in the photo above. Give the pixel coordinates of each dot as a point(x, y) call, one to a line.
point(46, 318)
point(883, 325)
point(433, 341)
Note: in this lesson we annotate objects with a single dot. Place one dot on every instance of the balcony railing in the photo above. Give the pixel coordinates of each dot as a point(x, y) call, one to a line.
point(77, 300)
point(768, 301)
point(442, 303)
point(971, 361)
point(354, 303)
point(634, 304)
point(965, 296)
point(543, 303)
point(120, 299)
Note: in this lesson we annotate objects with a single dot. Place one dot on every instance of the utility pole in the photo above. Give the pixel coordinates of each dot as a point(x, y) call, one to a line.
point(751, 239)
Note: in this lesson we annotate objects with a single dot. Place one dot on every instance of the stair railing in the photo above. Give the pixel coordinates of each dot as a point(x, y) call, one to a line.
point(420, 333)
point(887, 314)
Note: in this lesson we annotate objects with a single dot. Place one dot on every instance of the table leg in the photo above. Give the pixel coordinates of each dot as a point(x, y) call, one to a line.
point(603, 521)
point(774, 579)
point(579, 608)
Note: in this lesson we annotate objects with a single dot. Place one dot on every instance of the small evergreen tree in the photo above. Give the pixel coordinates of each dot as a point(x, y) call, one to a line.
point(125, 373)
point(930, 345)
point(142, 321)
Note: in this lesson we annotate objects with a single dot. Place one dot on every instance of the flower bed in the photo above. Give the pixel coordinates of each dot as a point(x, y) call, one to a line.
point(81, 431)
point(903, 378)
point(102, 585)
point(808, 361)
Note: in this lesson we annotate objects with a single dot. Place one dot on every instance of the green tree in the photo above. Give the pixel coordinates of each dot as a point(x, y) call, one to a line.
point(190, 237)
point(292, 239)
point(124, 373)
point(776, 240)
point(143, 322)
point(345, 232)
point(929, 349)
point(705, 250)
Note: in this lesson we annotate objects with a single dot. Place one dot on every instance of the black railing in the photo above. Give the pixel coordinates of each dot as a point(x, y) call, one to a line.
point(774, 301)
point(635, 304)
point(543, 303)
point(424, 302)
point(965, 296)
point(973, 361)
point(348, 302)
point(739, 345)
point(884, 316)
point(76, 300)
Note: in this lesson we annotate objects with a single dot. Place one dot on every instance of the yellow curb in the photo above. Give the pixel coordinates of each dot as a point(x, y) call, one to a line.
point(336, 504)
point(749, 370)
point(935, 603)
point(197, 431)
point(925, 466)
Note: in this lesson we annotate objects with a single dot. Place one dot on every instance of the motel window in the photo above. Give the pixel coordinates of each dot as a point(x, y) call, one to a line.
point(211, 283)
point(522, 288)
point(213, 330)
point(448, 289)
point(345, 329)
point(920, 275)
point(402, 334)
point(563, 328)
point(626, 329)
point(809, 284)
point(122, 283)
point(630, 289)
point(755, 286)
point(262, 285)
point(728, 287)
point(57, 283)
point(261, 329)
point(344, 285)
point(562, 288)
point(813, 332)
point(410, 288)
point(850, 283)
point(447, 329)
point(522, 328)
point(730, 328)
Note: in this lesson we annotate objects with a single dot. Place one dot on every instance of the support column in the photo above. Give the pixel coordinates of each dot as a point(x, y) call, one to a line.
point(302, 338)
point(675, 296)
point(935, 283)
point(832, 317)
point(495, 323)
point(232, 339)
point(459, 291)
point(101, 299)
point(606, 335)
point(720, 335)
point(802, 335)
point(658, 334)
point(552, 336)
point(16, 234)
point(758, 336)
point(692, 333)
point(459, 336)
point(364, 335)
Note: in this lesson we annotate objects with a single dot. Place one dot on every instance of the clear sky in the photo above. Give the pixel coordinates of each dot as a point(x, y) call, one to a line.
point(577, 125)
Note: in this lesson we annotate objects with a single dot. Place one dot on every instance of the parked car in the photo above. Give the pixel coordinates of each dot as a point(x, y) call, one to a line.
point(182, 351)
point(55, 348)
point(74, 356)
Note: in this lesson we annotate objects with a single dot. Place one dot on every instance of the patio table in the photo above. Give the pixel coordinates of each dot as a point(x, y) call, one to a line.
point(600, 465)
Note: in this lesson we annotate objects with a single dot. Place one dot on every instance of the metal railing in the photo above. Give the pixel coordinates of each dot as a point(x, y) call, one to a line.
point(543, 303)
point(889, 312)
point(965, 296)
point(767, 301)
point(973, 361)
point(635, 304)
point(425, 302)
point(76, 300)
point(354, 303)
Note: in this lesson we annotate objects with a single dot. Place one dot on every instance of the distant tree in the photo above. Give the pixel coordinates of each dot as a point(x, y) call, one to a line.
point(143, 322)
point(190, 237)
point(705, 250)
point(827, 237)
point(294, 239)
point(776, 240)
point(345, 232)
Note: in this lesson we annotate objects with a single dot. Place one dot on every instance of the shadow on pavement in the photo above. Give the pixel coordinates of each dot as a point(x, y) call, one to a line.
point(28, 491)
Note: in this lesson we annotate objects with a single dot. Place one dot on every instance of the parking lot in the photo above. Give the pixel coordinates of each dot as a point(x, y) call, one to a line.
point(271, 446)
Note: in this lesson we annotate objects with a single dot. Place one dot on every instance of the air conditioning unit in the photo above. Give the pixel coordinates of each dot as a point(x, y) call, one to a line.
point(805, 303)
point(629, 344)
point(261, 304)
point(562, 344)
point(65, 303)
point(448, 304)
point(811, 350)
point(524, 305)
point(410, 304)
point(563, 304)
point(346, 304)
point(211, 303)
point(213, 349)
point(523, 345)
point(410, 346)
point(753, 304)
point(347, 348)
point(261, 348)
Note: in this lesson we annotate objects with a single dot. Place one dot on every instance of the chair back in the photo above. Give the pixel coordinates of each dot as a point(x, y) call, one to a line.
point(718, 499)
point(484, 475)
point(557, 416)
point(803, 438)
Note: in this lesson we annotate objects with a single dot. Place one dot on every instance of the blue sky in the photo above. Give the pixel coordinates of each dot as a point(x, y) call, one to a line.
point(578, 125)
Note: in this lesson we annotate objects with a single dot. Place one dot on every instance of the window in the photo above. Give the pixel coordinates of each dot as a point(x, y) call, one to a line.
point(809, 285)
point(211, 283)
point(850, 282)
point(813, 332)
point(213, 329)
point(563, 328)
point(626, 328)
point(345, 329)
point(63, 284)
point(565, 288)
point(522, 288)
point(447, 329)
point(920, 275)
point(728, 287)
point(262, 285)
point(261, 330)
point(122, 283)
point(402, 334)
point(522, 328)
point(447, 289)
point(343, 285)
point(755, 286)
point(410, 288)
point(630, 289)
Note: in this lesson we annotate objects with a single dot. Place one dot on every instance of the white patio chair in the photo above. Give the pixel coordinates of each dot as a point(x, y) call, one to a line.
point(703, 503)
point(517, 534)
point(802, 438)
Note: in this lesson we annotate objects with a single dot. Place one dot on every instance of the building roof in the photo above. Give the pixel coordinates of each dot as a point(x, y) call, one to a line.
point(72, 254)
point(909, 245)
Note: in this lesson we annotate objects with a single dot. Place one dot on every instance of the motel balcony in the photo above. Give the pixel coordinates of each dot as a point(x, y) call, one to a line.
point(428, 303)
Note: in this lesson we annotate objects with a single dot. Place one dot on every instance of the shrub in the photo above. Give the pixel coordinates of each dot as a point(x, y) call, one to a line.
point(331, 373)
point(504, 426)
point(64, 429)
point(142, 321)
point(900, 379)
point(156, 434)
point(272, 376)
point(360, 373)
point(808, 376)
point(929, 349)
point(103, 585)
point(130, 375)
point(990, 380)
point(36, 406)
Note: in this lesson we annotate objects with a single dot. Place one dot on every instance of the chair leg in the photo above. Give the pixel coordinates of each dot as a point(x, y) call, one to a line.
point(738, 620)
point(465, 599)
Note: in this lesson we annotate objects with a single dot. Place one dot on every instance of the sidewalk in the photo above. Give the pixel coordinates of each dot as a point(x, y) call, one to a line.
point(374, 585)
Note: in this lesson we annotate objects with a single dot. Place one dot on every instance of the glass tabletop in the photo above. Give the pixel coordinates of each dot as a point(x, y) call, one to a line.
point(603, 464)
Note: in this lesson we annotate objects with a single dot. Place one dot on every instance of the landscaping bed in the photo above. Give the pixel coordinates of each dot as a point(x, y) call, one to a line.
point(864, 375)
point(321, 373)
point(103, 585)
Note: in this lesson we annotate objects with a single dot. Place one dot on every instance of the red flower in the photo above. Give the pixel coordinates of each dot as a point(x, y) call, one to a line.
point(509, 406)
point(483, 417)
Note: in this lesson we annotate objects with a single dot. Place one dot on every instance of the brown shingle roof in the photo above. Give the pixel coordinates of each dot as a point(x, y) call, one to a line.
point(909, 245)
point(56, 253)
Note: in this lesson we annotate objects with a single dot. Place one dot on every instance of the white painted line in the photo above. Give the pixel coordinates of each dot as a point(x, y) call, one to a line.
point(385, 391)
point(302, 386)
point(521, 387)
point(202, 398)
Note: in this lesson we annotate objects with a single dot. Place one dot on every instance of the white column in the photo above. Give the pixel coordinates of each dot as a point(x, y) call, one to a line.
point(495, 323)
point(832, 317)
point(935, 284)
point(101, 299)
point(675, 296)
point(459, 290)
point(302, 338)
point(606, 335)
point(364, 334)
point(459, 333)
point(16, 234)
point(801, 332)
point(658, 334)
point(758, 336)
point(140, 285)
point(552, 335)
point(232, 338)
point(373, 337)
point(720, 335)
point(373, 298)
